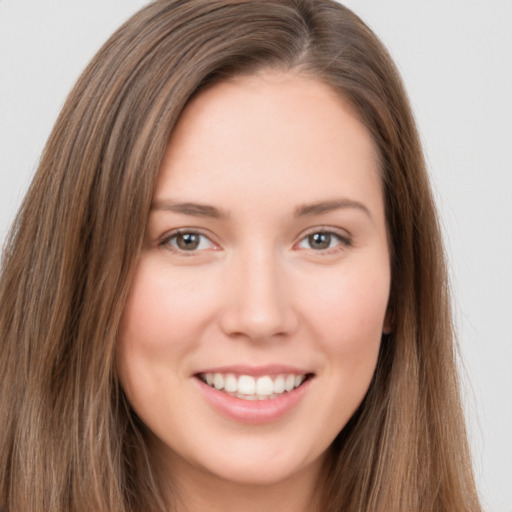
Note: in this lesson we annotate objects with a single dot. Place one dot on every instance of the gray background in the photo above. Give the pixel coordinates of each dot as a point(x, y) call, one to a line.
point(456, 60)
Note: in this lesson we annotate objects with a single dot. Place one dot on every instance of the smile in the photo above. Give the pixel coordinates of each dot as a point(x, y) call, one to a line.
point(247, 387)
point(254, 396)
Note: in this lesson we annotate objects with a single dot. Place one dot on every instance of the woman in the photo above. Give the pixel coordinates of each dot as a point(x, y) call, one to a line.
point(225, 288)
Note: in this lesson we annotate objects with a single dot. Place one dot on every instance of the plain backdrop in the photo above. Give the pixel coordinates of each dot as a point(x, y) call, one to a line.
point(456, 60)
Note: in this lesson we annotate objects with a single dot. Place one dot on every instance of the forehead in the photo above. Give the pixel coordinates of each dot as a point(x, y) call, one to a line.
point(273, 131)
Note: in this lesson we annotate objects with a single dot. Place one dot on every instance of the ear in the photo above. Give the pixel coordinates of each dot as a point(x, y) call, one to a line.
point(387, 327)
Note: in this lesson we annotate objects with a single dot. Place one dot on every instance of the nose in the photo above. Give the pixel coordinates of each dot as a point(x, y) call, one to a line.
point(259, 303)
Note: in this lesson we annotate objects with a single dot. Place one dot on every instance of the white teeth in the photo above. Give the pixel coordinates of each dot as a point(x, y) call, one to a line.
point(230, 383)
point(246, 397)
point(289, 383)
point(218, 381)
point(279, 384)
point(248, 387)
point(264, 386)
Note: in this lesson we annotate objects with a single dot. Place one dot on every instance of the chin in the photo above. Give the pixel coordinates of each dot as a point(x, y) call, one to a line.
point(259, 469)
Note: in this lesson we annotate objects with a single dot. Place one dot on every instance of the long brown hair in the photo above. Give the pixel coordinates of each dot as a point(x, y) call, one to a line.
point(69, 441)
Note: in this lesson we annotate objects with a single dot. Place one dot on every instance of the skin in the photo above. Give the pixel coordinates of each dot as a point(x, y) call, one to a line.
point(256, 290)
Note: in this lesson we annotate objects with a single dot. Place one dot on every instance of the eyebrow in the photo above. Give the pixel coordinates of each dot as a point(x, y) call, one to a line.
point(304, 210)
point(329, 206)
point(187, 208)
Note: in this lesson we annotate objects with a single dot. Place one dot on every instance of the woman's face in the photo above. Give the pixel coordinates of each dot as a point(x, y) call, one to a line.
point(253, 325)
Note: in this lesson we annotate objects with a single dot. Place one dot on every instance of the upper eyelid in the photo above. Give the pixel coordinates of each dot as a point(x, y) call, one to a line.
point(342, 233)
point(177, 231)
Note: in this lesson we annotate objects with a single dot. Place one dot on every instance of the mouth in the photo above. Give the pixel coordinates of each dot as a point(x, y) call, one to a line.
point(249, 387)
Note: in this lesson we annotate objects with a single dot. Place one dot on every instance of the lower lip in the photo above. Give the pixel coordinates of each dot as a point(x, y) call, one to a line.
point(253, 411)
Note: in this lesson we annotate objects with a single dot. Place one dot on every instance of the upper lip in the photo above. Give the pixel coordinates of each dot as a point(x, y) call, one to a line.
point(256, 371)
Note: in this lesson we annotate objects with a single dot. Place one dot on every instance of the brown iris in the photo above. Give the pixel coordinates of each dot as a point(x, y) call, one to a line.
point(188, 241)
point(319, 240)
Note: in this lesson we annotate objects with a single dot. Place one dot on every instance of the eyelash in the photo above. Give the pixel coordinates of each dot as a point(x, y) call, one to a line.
point(167, 241)
point(343, 241)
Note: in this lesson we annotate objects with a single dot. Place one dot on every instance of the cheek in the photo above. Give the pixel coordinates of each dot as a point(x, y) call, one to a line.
point(163, 306)
point(346, 321)
point(347, 317)
point(158, 327)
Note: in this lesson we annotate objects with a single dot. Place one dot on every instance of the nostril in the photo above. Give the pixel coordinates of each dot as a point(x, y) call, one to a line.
point(270, 323)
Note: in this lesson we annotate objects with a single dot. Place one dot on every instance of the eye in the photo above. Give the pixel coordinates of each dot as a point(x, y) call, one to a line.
point(188, 241)
point(323, 241)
